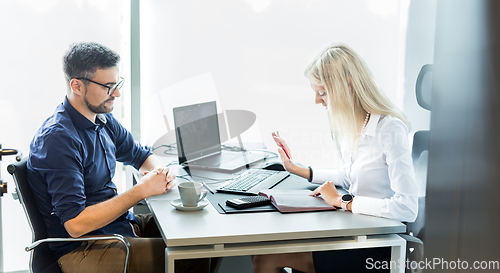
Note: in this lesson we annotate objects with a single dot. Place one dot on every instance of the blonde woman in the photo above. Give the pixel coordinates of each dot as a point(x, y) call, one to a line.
point(372, 139)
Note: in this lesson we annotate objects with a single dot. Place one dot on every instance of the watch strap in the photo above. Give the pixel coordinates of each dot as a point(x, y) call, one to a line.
point(343, 203)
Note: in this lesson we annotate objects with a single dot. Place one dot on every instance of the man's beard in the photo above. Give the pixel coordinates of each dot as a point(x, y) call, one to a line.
point(99, 109)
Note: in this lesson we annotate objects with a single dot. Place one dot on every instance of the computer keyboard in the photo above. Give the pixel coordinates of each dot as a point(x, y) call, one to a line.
point(247, 180)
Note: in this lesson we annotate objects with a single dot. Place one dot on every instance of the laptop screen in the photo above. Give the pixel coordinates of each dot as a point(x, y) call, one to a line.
point(196, 131)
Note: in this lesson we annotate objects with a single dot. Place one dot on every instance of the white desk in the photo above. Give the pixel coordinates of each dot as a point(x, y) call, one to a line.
point(207, 233)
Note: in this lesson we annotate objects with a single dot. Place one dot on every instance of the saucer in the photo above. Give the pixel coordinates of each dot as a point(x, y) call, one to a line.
point(177, 203)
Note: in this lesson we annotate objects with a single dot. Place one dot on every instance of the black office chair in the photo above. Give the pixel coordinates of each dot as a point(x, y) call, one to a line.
point(42, 259)
point(420, 151)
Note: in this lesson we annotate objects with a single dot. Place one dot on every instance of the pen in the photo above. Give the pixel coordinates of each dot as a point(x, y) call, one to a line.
point(208, 188)
point(283, 147)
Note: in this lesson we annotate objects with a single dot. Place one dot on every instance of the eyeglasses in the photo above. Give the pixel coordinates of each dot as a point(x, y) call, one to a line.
point(111, 89)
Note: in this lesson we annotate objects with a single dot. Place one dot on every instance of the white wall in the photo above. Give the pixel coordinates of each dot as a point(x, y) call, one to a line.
point(34, 36)
point(256, 52)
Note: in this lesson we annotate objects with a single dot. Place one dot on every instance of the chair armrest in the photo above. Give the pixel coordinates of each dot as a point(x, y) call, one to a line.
point(411, 239)
point(86, 238)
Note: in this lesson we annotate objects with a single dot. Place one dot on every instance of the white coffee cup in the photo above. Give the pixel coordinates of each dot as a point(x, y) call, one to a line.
point(191, 193)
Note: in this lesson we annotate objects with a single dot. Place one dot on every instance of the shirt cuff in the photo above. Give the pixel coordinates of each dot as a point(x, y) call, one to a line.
point(367, 205)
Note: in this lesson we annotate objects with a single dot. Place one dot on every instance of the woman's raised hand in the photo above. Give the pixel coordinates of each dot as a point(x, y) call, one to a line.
point(284, 151)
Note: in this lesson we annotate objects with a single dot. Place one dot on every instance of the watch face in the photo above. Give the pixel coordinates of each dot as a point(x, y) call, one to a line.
point(346, 197)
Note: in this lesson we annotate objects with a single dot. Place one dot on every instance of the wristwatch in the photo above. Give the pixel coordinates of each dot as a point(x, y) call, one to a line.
point(346, 199)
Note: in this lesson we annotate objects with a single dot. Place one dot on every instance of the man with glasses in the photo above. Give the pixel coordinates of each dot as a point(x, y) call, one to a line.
point(71, 165)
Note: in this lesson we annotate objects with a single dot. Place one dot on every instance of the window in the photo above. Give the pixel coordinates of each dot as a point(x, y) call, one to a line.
point(255, 53)
point(36, 35)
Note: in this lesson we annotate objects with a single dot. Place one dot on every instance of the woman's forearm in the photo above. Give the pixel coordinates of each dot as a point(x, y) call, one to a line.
point(300, 171)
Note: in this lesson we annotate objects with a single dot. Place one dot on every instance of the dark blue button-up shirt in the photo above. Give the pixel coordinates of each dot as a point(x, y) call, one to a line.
point(71, 165)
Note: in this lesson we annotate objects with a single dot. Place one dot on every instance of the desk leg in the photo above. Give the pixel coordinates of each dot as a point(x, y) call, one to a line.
point(398, 254)
point(169, 262)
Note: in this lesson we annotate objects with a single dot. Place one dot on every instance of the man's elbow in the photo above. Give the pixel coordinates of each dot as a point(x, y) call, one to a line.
point(74, 229)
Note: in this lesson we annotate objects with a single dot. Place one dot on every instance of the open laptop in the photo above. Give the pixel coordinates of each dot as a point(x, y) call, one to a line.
point(198, 140)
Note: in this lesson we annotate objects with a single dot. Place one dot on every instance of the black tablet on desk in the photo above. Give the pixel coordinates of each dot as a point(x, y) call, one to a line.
point(228, 210)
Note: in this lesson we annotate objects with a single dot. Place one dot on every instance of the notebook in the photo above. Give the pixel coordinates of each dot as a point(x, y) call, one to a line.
point(295, 200)
point(198, 140)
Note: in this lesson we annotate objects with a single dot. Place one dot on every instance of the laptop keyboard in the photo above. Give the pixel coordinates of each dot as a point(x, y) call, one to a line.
point(247, 180)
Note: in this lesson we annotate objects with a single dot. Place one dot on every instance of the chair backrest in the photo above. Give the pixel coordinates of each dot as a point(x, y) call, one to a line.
point(42, 257)
point(423, 87)
point(420, 149)
point(420, 145)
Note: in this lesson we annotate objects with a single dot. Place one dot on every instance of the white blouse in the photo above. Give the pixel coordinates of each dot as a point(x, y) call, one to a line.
point(381, 176)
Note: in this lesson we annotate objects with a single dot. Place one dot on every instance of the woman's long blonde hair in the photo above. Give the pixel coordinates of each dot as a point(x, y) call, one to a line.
point(350, 88)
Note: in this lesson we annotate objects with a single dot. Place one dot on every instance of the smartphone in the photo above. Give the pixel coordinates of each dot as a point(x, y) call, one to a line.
point(248, 202)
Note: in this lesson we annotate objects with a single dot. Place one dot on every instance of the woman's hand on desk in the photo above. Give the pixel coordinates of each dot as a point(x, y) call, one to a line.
point(329, 194)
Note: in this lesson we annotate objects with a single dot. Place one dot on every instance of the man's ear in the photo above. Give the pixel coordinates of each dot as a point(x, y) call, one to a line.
point(77, 87)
